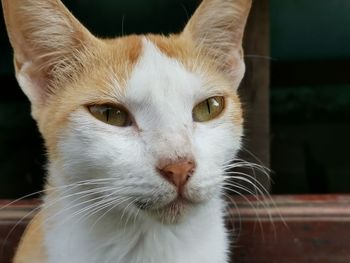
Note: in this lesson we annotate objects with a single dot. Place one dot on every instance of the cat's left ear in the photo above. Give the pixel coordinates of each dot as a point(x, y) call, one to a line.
point(217, 29)
point(46, 39)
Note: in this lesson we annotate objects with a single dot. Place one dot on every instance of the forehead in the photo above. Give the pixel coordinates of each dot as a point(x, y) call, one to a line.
point(137, 67)
point(157, 77)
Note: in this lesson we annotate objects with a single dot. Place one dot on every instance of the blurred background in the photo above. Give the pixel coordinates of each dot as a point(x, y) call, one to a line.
point(309, 90)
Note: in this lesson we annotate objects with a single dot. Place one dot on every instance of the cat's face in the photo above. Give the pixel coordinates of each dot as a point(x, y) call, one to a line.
point(154, 88)
point(159, 93)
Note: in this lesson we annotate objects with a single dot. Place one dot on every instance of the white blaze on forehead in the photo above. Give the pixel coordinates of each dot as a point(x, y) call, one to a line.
point(161, 88)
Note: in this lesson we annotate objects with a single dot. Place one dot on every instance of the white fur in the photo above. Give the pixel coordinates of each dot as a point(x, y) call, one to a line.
point(160, 94)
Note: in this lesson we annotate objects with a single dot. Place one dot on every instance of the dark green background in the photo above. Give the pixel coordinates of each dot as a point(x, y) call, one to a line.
point(310, 95)
point(310, 90)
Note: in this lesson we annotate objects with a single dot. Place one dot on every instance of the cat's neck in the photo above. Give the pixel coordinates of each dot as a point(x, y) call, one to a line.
point(200, 237)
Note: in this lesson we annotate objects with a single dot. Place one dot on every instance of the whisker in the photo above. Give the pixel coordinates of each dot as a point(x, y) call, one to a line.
point(263, 193)
point(259, 189)
point(232, 215)
point(249, 202)
point(124, 210)
point(35, 210)
point(46, 190)
point(113, 206)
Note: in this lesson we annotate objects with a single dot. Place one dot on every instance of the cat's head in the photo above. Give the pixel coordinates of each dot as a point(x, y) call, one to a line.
point(151, 120)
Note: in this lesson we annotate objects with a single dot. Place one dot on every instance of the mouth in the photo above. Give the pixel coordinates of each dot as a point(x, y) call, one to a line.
point(170, 213)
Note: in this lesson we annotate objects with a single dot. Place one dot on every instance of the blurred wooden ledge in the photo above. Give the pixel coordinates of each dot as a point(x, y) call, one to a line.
point(293, 229)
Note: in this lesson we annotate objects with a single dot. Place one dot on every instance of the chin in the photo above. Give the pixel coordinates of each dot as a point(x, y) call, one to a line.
point(172, 213)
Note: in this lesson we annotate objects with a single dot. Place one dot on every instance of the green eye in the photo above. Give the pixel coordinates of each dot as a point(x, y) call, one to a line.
point(208, 109)
point(112, 115)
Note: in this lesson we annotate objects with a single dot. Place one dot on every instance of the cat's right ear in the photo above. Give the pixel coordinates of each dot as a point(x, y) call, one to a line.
point(44, 36)
point(217, 28)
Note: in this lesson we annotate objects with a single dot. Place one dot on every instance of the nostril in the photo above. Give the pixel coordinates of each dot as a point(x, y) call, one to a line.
point(167, 174)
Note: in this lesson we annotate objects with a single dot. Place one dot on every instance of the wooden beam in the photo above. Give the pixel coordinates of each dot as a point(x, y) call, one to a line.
point(254, 90)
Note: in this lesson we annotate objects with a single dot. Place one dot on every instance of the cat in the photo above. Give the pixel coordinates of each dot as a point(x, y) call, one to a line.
point(138, 132)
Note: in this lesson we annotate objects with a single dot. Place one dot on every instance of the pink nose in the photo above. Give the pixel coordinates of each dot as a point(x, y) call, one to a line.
point(178, 173)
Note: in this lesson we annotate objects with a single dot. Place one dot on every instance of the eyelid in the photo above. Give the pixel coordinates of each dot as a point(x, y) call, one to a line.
point(106, 103)
point(200, 98)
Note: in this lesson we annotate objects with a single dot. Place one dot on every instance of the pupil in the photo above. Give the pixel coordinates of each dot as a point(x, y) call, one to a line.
point(107, 114)
point(208, 106)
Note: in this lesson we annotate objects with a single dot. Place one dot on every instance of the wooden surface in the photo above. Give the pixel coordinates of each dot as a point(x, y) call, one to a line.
point(254, 90)
point(289, 229)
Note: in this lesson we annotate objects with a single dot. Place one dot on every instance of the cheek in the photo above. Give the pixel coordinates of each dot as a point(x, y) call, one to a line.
point(217, 143)
point(91, 150)
point(215, 146)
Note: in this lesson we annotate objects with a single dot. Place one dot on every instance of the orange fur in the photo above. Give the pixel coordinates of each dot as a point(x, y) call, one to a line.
point(32, 243)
